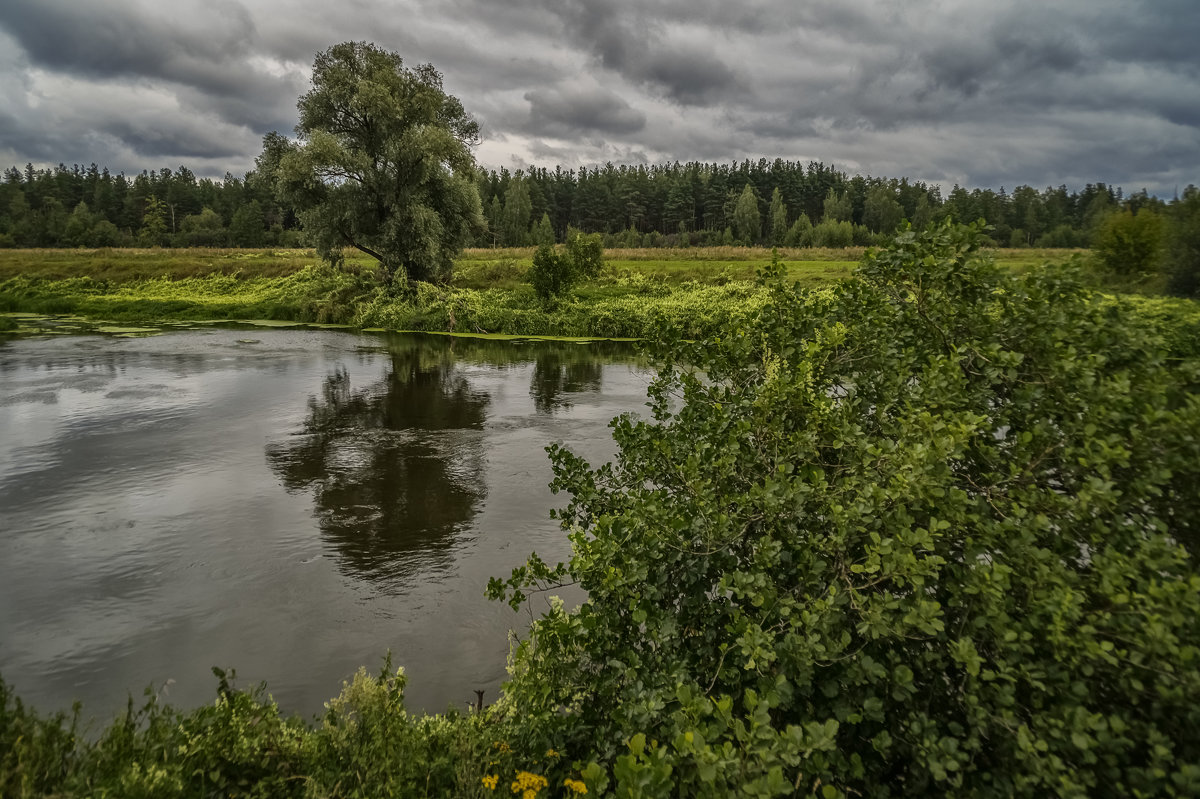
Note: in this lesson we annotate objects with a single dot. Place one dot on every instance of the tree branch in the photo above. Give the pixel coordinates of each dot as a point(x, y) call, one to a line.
point(367, 250)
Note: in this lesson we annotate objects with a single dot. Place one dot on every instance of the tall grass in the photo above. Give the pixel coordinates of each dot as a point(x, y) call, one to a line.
point(684, 253)
point(365, 744)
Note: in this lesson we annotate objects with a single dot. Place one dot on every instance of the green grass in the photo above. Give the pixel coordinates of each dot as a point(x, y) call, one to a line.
point(143, 264)
point(632, 307)
point(693, 292)
point(698, 263)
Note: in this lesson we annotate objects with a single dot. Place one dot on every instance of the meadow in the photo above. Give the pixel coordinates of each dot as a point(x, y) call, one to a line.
point(691, 291)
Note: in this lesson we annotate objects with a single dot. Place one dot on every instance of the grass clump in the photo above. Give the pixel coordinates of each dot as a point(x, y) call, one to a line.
point(365, 744)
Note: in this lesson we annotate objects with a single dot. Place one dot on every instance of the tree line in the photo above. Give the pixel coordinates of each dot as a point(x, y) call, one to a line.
point(91, 207)
point(773, 203)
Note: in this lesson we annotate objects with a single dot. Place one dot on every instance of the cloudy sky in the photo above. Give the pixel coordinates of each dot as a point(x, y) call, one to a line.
point(975, 92)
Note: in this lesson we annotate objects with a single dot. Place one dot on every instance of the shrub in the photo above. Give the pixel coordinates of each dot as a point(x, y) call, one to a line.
point(585, 253)
point(1128, 243)
point(931, 531)
point(800, 233)
point(552, 275)
point(1063, 236)
point(831, 233)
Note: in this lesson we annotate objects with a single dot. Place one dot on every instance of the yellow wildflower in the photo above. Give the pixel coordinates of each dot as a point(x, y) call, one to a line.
point(490, 781)
point(551, 753)
point(528, 785)
point(575, 786)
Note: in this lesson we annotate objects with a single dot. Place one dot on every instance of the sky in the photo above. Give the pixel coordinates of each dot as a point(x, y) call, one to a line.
point(980, 93)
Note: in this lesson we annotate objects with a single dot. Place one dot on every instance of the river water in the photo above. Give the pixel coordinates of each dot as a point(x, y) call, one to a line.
point(291, 503)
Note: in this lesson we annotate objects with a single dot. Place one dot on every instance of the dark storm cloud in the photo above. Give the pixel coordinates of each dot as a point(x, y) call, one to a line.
point(1012, 57)
point(565, 112)
point(203, 57)
point(968, 91)
point(171, 139)
point(1165, 31)
point(635, 46)
point(110, 39)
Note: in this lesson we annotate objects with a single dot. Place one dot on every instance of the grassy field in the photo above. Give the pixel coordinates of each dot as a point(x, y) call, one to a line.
point(705, 264)
point(641, 291)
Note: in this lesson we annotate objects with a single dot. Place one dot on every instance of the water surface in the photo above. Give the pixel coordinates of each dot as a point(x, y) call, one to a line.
point(292, 503)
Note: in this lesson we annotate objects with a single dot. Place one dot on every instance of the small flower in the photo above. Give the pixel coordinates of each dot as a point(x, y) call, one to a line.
point(575, 786)
point(490, 781)
point(551, 753)
point(528, 785)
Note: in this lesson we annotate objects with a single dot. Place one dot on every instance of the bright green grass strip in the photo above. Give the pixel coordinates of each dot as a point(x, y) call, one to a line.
point(505, 336)
point(636, 296)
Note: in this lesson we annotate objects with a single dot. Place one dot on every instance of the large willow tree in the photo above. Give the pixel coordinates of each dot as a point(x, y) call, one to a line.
point(382, 163)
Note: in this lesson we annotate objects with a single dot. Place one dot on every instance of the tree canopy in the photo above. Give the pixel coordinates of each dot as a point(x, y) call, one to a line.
point(383, 163)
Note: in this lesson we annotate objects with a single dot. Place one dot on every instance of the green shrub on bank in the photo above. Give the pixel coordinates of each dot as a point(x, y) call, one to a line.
point(931, 532)
point(555, 273)
point(552, 274)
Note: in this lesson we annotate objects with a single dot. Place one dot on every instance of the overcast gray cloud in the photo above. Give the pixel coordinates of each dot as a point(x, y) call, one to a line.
point(978, 93)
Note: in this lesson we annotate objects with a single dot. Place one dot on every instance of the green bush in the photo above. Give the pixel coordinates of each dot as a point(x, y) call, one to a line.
point(931, 531)
point(1128, 243)
point(552, 275)
point(831, 233)
point(1062, 236)
point(585, 253)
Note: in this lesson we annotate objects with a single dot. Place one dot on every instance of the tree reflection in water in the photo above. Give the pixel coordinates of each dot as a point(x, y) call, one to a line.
point(556, 374)
point(396, 468)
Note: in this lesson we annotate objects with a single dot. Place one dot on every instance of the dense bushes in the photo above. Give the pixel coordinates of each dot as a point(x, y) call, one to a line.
point(930, 532)
point(627, 308)
point(312, 294)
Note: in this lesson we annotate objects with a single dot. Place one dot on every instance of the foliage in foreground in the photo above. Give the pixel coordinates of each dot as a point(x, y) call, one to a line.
point(930, 532)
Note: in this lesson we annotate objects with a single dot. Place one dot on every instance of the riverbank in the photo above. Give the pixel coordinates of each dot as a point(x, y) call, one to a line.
point(693, 292)
point(620, 307)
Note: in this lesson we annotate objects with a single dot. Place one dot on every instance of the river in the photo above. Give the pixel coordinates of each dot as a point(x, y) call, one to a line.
point(291, 503)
